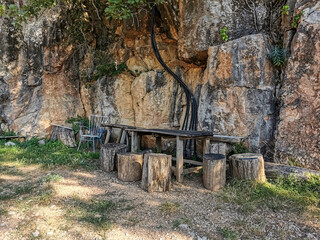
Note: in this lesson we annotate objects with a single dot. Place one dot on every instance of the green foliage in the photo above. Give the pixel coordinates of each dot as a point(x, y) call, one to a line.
point(278, 56)
point(282, 193)
point(75, 123)
point(95, 213)
point(9, 133)
point(297, 19)
point(50, 178)
point(53, 153)
point(109, 69)
point(122, 9)
point(30, 10)
point(240, 148)
point(223, 34)
point(285, 10)
point(227, 233)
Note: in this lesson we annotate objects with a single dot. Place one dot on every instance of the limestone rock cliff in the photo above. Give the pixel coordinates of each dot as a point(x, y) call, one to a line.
point(44, 78)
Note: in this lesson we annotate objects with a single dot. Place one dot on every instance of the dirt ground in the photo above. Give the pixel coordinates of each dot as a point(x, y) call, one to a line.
point(65, 204)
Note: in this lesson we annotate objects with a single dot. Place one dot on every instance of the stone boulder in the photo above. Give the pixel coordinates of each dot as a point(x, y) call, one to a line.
point(238, 97)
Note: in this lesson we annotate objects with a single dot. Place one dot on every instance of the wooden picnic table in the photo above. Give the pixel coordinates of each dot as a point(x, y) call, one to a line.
point(123, 132)
point(179, 135)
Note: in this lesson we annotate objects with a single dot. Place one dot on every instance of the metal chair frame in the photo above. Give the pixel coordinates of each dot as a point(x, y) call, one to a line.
point(95, 130)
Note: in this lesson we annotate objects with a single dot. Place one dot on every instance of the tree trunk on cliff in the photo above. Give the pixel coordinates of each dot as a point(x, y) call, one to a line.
point(64, 134)
point(214, 171)
point(108, 155)
point(130, 167)
point(247, 166)
point(156, 174)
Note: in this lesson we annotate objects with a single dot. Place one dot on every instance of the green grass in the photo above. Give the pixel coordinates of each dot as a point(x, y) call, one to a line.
point(169, 207)
point(51, 154)
point(96, 213)
point(280, 194)
point(51, 177)
point(228, 234)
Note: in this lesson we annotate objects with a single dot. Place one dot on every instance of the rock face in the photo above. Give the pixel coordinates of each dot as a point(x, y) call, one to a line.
point(35, 89)
point(298, 139)
point(45, 79)
point(238, 97)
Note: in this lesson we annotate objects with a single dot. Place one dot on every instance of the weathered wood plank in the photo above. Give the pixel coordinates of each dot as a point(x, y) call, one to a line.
point(134, 142)
point(191, 170)
point(189, 161)
point(179, 158)
point(169, 132)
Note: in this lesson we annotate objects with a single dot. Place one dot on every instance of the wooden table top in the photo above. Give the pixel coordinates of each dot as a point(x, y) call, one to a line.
point(117, 125)
point(189, 134)
point(170, 132)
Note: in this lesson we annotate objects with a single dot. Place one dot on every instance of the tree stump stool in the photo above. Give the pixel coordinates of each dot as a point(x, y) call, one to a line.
point(130, 166)
point(156, 173)
point(108, 155)
point(214, 171)
point(247, 166)
point(64, 134)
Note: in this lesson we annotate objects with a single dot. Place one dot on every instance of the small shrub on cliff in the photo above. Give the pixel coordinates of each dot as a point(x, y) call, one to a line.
point(278, 56)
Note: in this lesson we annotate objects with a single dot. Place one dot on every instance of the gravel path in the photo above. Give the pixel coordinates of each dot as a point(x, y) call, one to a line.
point(187, 212)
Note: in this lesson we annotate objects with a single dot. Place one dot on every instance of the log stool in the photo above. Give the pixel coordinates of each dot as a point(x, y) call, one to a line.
point(130, 166)
point(156, 173)
point(64, 134)
point(108, 155)
point(248, 166)
point(214, 171)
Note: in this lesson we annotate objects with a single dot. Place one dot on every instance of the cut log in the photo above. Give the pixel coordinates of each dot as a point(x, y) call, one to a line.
point(64, 134)
point(274, 170)
point(214, 171)
point(156, 173)
point(130, 167)
point(247, 166)
point(108, 155)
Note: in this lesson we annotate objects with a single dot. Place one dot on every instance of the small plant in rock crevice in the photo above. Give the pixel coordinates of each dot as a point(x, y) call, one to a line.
point(285, 10)
point(297, 19)
point(278, 56)
point(223, 34)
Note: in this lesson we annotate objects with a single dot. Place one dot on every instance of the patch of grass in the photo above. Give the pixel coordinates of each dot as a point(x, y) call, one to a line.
point(95, 213)
point(169, 207)
point(50, 178)
point(282, 193)
point(20, 190)
point(51, 154)
point(228, 233)
point(3, 212)
point(176, 223)
point(10, 170)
